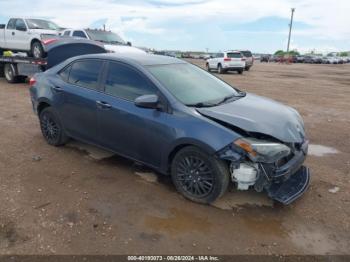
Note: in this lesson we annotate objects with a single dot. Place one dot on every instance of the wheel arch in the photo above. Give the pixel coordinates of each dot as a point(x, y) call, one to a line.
point(34, 40)
point(180, 144)
point(42, 105)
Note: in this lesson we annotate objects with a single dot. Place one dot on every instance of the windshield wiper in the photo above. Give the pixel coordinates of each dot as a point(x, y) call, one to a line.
point(201, 104)
point(225, 99)
point(117, 42)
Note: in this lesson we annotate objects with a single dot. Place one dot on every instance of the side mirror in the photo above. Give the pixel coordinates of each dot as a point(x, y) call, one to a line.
point(21, 28)
point(129, 43)
point(147, 101)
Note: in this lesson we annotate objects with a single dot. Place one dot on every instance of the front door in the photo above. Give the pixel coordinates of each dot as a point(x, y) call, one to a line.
point(135, 132)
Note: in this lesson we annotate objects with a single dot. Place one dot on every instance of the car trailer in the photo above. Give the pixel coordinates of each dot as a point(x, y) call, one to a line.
point(17, 68)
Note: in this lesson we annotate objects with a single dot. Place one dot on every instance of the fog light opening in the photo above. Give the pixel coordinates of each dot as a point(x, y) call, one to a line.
point(245, 175)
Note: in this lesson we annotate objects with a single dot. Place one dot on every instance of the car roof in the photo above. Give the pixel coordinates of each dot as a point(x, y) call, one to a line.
point(141, 59)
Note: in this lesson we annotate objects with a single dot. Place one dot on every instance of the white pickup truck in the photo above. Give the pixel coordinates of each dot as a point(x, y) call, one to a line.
point(26, 34)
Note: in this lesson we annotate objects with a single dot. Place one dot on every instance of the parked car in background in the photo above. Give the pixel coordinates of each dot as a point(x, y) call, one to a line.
point(249, 59)
point(111, 41)
point(300, 59)
point(227, 61)
point(26, 35)
point(308, 59)
point(317, 60)
point(265, 58)
point(179, 120)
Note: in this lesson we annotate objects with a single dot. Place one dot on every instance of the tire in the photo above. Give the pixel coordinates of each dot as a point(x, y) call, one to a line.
point(208, 68)
point(247, 68)
point(51, 128)
point(37, 50)
point(240, 72)
point(10, 74)
point(186, 169)
point(220, 70)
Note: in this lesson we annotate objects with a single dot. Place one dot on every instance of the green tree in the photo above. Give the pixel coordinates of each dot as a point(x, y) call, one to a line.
point(282, 53)
point(279, 52)
point(343, 54)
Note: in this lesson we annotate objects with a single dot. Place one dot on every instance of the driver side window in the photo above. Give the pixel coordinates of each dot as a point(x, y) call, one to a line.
point(20, 24)
point(125, 82)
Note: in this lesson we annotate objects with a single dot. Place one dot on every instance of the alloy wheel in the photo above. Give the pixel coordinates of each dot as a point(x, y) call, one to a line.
point(195, 176)
point(51, 130)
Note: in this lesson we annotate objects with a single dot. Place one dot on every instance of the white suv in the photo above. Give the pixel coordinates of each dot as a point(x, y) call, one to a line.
point(227, 61)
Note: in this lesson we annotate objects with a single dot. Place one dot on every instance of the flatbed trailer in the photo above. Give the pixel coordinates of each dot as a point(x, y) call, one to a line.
point(17, 68)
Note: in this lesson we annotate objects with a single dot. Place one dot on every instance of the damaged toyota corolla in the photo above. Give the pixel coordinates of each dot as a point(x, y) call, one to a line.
point(178, 119)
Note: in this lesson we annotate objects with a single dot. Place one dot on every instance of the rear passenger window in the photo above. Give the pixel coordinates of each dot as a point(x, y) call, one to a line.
point(125, 82)
point(85, 73)
point(65, 73)
point(79, 34)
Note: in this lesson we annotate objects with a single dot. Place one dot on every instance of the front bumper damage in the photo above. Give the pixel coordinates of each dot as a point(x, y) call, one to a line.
point(283, 182)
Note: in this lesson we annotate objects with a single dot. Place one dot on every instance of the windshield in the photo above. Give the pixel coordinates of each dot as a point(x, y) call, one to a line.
point(105, 37)
point(191, 85)
point(41, 24)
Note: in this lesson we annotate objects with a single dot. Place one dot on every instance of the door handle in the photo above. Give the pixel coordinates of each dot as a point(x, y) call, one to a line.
point(103, 105)
point(13, 33)
point(56, 89)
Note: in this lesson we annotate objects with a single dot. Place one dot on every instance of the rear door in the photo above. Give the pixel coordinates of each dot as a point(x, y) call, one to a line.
point(235, 59)
point(80, 86)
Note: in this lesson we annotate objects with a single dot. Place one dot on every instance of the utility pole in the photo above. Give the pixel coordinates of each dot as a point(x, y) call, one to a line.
point(290, 28)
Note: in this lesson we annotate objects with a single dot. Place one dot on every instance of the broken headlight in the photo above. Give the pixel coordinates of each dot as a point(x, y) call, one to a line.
point(262, 150)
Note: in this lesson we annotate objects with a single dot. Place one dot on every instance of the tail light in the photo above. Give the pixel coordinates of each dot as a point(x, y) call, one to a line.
point(48, 41)
point(32, 81)
point(227, 59)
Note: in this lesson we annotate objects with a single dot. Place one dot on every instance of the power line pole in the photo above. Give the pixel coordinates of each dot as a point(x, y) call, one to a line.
point(290, 28)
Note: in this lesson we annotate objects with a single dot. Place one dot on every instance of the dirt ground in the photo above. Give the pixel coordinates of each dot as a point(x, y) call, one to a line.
point(80, 200)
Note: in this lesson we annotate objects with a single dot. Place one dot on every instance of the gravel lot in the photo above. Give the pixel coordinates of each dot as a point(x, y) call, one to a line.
point(80, 200)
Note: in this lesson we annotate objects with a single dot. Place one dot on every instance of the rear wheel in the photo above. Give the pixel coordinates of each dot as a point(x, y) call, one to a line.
point(198, 176)
point(51, 127)
point(10, 74)
point(240, 71)
point(208, 68)
point(247, 68)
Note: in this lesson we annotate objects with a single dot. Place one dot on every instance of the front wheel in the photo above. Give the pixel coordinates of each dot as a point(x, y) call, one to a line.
point(51, 128)
point(199, 176)
point(240, 72)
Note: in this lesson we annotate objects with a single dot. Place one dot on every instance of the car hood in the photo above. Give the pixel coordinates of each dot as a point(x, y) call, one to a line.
point(123, 49)
point(253, 113)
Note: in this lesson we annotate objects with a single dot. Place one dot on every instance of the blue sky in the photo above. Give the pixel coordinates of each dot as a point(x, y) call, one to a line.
point(261, 26)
